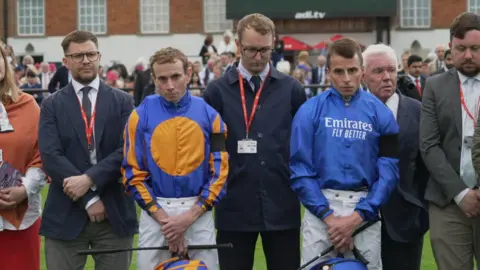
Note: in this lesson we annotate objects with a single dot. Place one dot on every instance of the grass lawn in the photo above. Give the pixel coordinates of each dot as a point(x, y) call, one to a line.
point(428, 263)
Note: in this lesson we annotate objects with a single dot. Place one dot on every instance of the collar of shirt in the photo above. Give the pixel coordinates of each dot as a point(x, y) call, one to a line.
point(392, 104)
point(463, 78)
point(247, 75)
point(95, 85)
point(414, 78)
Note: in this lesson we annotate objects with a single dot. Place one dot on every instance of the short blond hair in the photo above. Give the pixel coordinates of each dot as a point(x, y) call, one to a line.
point(168, 55)
point(258, 22)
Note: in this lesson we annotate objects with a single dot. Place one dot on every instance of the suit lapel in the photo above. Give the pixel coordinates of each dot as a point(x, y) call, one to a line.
point(453, 87)
point(72, 106)
point(102, 108)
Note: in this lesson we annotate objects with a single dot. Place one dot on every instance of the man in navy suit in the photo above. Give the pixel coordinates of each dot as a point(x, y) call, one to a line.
point(81, 144)
point(405, 216)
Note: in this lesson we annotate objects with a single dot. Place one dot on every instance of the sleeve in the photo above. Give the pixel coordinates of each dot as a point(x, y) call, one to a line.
point(476, 148)
point(34, 179)
point(387, 163)
point(134, 170)
point(214, 189)
point(441, 171)
point(304, 178)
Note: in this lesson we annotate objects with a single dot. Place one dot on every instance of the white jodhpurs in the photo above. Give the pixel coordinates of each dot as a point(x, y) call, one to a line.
point(202, 232)
point(315, 232)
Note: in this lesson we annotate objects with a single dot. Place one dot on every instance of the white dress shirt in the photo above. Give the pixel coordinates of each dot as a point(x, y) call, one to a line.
point(471, 93)
point(92, 95)
point(392, 104)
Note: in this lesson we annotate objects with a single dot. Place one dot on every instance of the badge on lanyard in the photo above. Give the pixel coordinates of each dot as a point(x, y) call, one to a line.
point(248, 146)
point(1, 155)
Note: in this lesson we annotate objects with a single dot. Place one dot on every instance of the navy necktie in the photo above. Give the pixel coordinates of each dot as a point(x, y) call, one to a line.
point(257, 81)
point(86, 103)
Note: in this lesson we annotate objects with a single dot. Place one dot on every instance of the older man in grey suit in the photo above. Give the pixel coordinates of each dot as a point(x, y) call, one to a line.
point(450, 106)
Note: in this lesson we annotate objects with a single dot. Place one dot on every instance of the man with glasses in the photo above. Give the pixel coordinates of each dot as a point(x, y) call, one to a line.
point(257, 103)
point(81, 144)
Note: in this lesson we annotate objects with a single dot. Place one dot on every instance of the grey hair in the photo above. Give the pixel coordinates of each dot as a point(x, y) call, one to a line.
point(379, 49)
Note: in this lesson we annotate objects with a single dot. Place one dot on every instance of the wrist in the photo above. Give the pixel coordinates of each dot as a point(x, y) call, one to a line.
point(89, 179)
point(196, 212)
point(357, 218)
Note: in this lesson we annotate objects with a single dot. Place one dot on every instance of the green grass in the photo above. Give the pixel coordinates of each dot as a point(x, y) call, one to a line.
point(428, 262)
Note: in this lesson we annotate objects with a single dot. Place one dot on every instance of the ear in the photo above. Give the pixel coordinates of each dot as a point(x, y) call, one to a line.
point(65, 62)
point(237, 42)
point(450, 45)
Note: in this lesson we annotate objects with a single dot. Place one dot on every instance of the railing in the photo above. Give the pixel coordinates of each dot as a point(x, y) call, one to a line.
point(36, 91)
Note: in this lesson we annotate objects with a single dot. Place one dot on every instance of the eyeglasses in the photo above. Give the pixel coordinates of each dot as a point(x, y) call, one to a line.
point(78, 57)
point(252, 52)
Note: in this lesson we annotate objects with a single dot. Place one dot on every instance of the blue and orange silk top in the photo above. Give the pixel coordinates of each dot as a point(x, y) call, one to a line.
point(169, 152)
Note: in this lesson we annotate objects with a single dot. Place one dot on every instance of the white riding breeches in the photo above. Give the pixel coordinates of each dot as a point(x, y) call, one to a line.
point(315, 231)
point(202, 232)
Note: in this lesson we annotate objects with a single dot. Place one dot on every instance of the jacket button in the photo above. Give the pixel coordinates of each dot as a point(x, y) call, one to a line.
point(260, 135)
point(264, 193)
point(262, 163)
point(258, 107)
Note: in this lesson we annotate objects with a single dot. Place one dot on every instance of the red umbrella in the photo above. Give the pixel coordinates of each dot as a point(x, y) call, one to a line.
point(321, 45)
point(336, 37)
point(292, 44)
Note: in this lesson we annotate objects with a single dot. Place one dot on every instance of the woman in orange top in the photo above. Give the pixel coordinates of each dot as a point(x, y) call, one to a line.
point(20, 206)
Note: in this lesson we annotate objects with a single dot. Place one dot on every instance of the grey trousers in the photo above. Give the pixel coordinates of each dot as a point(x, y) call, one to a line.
point(62, 255)
point(455, 238)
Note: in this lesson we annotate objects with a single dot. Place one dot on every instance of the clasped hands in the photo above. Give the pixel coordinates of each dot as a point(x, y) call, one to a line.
point(174, 228)
point(340, 230)
point(77, 186)
point(470, 204)
point(12, 196)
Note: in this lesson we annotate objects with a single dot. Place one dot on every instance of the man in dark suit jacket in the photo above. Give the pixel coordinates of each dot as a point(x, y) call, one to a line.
point(60, 78)
point(404, 216)
point(319, 74)
point(259, 200)
point(81, 145)
point(415, 64)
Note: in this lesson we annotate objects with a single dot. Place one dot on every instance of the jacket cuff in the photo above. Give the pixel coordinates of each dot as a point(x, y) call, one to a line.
point(325, 213)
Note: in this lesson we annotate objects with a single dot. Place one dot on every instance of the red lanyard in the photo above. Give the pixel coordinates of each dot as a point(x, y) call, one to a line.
point(248, 122)
point(464, 105)
point(88, 128)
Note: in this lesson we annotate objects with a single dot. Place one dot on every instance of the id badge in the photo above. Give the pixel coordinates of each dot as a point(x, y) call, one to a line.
point(468, 141)
point(247, 147)
point(1, 155)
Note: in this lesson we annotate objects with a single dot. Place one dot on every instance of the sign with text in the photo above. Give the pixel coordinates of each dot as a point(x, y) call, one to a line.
point(311, 9)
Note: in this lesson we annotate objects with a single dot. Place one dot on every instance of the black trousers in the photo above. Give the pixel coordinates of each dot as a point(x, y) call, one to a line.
point(281, 248)
point(400, 256)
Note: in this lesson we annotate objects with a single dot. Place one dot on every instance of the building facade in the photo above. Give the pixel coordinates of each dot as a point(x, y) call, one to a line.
point(133, 29)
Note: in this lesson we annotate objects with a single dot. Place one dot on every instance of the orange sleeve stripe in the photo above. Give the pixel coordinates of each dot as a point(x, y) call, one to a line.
point(138, 176)
point(216, 127)
point(218, 184)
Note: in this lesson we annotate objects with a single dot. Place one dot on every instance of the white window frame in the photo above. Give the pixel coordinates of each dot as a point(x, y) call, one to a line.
point(473, 6)
point(91, 16)
point(214, 16)
point(39, 17)
point(416, 16)
point(157, 19)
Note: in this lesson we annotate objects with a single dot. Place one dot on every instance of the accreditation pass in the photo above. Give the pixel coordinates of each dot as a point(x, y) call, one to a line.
point(247, 146)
